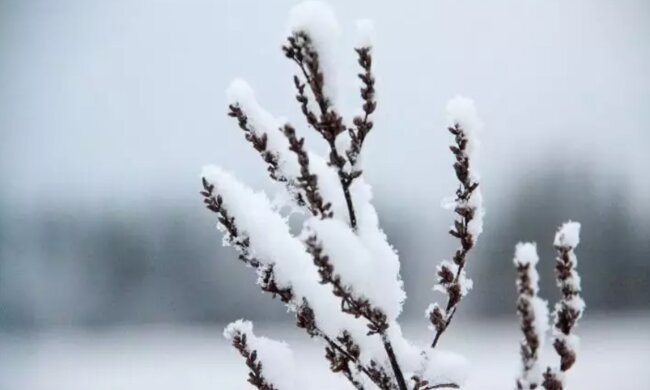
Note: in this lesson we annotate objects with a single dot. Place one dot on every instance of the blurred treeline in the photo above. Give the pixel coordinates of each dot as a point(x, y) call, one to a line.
point(165, 263)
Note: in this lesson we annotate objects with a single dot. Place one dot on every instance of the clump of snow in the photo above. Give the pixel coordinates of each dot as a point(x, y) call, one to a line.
point(385, 257)
point(316, 18)
point(540, 312)
point(572, 341)
point(575, 304)
point(319, 22)
point(573, 282)
point(568, 235)
point(526, 254)
point(236, 328)
point(329, 185)
point(365, 33)
point(445, 367)
point(462, 111)
point(357, 267)
point(475, 226)
point(433, 307)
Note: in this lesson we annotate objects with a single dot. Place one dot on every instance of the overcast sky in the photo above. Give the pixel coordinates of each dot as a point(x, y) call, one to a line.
point(116, 101)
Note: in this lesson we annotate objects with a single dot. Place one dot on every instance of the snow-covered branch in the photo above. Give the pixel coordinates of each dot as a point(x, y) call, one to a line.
point(468, 206)
point(270, 363)
point(307, 181)
point(283, 265)
point(363, 123)
point(340, 276)
point(570, 307)
point(533, 315)
point(313, 29)
point(352, 304)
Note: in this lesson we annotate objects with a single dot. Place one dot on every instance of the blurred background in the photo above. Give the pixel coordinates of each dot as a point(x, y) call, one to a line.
point(108, 111)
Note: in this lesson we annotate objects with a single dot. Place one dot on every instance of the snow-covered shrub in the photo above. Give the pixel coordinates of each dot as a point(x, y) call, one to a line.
point(533, 311)
point(340, 276)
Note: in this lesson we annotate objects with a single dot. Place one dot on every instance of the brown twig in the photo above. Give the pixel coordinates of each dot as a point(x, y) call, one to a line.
point(255, 375)
point(328, 123)
point(424, 385)
point(307, 181)
point(259, 142)
point(465, 214)
point(364, 124)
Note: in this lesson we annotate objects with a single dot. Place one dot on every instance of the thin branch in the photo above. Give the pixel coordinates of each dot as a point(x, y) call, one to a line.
point(271, 158)
point(570, 307)
point(533, 315)
point(307, 181)
point(259, 142)
point(363, 125)
point(328, 123)
point(465, 214)
point(424, 385)
point(255, 375)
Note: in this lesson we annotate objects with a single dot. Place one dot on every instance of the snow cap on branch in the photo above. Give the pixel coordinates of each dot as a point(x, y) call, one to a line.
point(462, 113)
point(253, 213)
point(568, 235)
point(526, 255)
point(365, 33)
point(318, 21)
point(237, 327)
point(356, 266)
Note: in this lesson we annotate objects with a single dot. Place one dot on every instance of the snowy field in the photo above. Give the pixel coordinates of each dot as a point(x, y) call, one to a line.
point(614, 354)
